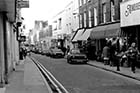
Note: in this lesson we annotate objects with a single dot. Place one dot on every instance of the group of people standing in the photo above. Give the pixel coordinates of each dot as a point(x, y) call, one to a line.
point(113, 55)
point(24, 52)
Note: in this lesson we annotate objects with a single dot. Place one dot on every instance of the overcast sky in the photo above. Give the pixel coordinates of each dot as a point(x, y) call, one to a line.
point(42, 10)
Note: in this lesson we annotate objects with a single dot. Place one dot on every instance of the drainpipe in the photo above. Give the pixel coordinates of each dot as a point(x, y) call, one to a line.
point(1, 51)
point(5, 48)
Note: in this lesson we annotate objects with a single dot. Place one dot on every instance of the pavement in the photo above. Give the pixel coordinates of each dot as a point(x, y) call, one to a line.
point(26, 79)
point(124, 71)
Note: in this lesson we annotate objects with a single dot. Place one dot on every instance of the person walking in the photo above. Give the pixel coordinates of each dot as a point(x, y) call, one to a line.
point(133, 54)
point(113, 52)
point(106, 54)
point(124, 54)
point(68, 49)
point(24, 52)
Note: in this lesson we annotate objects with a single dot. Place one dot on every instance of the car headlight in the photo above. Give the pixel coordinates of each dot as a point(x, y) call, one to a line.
point(73, 56)
point(85, 56)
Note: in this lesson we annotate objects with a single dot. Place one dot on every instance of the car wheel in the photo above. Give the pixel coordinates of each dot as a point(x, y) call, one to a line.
point(86, 62)
point(68, 61)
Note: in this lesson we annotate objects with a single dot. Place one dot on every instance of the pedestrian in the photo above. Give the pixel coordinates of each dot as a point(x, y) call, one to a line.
point(113, 52)
point(64, 49)
point(124, 53)
point(68, 49)
point(133, 55)
point(21, 53)
point(24, 52)
point(106, 54)
point(117, 54)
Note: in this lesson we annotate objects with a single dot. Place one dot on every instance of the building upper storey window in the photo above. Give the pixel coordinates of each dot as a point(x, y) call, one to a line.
point(88, 0)
point(90, 18)
point(104, 12)
point(80, 2)
point(80, 23)
point(112, 10)
point(95, 16)
point(84, 1)
point(85, 19)
point(60, 23)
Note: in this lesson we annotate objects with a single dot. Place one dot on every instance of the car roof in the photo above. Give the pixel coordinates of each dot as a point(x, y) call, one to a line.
point(75, 49)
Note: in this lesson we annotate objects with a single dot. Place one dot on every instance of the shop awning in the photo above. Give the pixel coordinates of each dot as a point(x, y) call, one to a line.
point(106, 31)
point(113, 30)
point(85, 35)
point(112, 33)
point(97, 34)
point(78, 34)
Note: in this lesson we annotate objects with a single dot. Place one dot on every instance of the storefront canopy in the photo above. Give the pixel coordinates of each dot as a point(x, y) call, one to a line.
point(112, 30)
point(106, 31)
point(78, 35)
point(97, 34)
point(85, 35)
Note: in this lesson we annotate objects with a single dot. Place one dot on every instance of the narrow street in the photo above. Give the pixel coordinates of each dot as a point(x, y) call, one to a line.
point(82, 78)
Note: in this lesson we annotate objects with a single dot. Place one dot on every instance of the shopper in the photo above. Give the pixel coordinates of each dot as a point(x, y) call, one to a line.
point(133, 54)
point(68, 49)
point(113, 52)
point(106, 54)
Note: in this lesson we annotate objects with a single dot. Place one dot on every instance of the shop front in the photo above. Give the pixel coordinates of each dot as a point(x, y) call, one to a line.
point(101, 34)
point(130, 21)
point(75, 38)
point(93, 40)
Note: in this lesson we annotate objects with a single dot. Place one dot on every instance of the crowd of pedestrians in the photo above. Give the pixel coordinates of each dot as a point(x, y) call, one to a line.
point(24, 51)
point(113, 55)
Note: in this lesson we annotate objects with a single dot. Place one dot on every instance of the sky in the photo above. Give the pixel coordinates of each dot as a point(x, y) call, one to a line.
point(42, 10)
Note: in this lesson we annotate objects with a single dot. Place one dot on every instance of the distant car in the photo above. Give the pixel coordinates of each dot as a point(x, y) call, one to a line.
point(40, 51)
point(43, 52)
point(75, 56)
point(46, 52)
point(55, 52)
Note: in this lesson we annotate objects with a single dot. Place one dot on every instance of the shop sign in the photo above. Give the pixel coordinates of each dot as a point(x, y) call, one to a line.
point(130, 11)
point(23, 4)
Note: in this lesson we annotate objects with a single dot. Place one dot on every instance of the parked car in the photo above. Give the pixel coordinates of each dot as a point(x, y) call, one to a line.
point(40, 51)
point(46, 52)
point(75, 56)
point(55, 52)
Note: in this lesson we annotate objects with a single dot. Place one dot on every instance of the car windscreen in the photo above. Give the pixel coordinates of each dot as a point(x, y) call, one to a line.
point(75, 51)
point(57, 50)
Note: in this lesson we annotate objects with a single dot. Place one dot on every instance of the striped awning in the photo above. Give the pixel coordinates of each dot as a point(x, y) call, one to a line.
point(78, 35)
point(106, 31)
point(85, 35)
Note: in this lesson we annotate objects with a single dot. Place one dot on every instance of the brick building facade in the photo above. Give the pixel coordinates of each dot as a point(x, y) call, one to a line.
point(101, 20)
